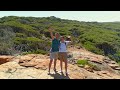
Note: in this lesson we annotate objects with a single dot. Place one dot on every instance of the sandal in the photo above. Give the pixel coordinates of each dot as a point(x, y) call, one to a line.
point(55, 70)
point(67, 73)
point(48, 72)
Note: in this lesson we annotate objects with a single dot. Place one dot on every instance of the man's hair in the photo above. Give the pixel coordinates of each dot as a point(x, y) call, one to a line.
point(57, 33)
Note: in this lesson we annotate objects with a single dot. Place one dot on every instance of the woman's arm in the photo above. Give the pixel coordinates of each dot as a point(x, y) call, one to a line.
point(68, 42)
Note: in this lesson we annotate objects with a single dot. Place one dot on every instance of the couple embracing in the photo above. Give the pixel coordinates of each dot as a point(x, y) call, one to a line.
point(59, 48)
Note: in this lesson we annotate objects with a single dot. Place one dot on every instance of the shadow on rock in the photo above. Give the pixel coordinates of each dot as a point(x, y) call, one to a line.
point(59, 76)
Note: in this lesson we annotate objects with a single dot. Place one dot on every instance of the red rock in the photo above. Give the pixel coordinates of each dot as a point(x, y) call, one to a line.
point(4, 59)
point(113, 65)
point(96, 61)
point(113, 62)
point(117, 68)
point(28, 64)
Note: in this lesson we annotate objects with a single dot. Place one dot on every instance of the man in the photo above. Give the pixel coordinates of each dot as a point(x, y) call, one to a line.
point(54, 49)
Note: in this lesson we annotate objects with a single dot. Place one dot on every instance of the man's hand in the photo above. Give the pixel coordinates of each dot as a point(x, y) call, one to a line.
point(50, 29)
point(51, 32)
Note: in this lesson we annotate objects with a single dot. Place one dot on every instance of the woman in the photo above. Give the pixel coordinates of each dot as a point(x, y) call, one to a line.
point(63, 53)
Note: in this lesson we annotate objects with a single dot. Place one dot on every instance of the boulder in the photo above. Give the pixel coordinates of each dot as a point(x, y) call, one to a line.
point(107, 61)
point(117, 68)
point(88, 68)
point(113, 65)
point(28, 64)
point(113, 62)
point(95, 60)
point(4, 59)
point(70, 55)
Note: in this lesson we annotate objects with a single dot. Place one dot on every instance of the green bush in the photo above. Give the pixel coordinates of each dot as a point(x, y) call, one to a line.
point(21, 35)
point(91, 47)
point(35, 52)
point(82, 62)
point(40, 52)
point(119, 63)
point(30, 31)
point(85, 62)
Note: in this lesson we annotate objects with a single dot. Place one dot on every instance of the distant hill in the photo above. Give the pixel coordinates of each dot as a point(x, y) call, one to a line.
point(30, 35)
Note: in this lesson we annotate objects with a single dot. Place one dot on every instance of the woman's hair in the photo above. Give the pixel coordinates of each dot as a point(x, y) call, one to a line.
point(62, 37)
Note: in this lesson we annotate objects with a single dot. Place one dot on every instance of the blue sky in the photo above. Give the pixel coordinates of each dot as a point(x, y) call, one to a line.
point(99, 16)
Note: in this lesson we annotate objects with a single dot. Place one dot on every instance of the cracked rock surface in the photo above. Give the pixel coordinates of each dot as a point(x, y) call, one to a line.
point(35, 66)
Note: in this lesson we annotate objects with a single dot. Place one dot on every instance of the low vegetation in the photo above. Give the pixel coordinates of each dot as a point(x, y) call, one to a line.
point(30, 34)
point(84, 63)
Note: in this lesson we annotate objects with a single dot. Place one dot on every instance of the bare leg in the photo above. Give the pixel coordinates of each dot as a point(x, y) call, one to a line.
point(61, 65)
point(66, 66)
point(55, 64)
point(50, 65)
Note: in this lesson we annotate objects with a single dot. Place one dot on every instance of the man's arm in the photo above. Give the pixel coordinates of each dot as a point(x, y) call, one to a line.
point(51, 33)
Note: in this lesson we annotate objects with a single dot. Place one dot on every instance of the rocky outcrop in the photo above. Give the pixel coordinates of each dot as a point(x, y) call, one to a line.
point(35, 66)
point(101, 62)
point(4, 59)
point(112, 64)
